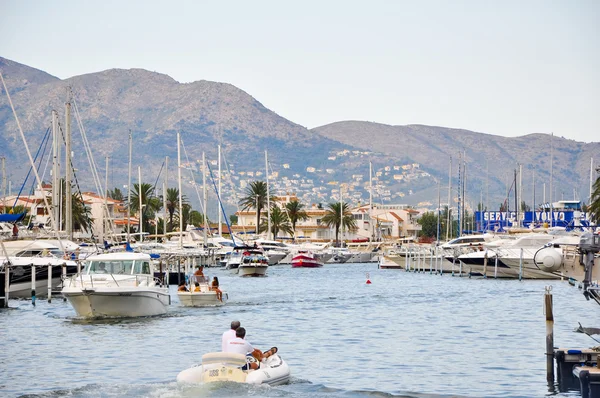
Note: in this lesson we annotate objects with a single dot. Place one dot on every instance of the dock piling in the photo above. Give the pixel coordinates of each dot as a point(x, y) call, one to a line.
point(49, 283)
point(549, 335)
point(33, 284)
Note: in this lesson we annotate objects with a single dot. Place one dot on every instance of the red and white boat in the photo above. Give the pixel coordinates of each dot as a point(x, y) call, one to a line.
point(304, 258)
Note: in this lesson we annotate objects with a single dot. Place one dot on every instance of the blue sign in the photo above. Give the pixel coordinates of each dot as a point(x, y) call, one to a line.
point(498, 220)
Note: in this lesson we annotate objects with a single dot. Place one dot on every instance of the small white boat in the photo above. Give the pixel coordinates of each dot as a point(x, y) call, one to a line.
point(227, 366)
point(204, 297)
point(254, 263)
point(117, 285)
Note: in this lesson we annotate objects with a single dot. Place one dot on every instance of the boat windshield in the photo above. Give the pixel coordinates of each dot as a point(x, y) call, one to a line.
point(122, 267)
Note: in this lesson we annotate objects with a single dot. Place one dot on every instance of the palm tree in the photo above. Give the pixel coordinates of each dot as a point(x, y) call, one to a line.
point(295, 212)
point(256, 198)
point(594, 207)
point(279, 222)
point(173, 204)
point(333, 216)
point(150, 203)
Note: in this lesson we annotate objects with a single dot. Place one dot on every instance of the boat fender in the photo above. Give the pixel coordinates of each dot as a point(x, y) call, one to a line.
point(548, 259)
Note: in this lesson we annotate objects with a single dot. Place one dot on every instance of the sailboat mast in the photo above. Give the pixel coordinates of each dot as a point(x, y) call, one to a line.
point(55, 170)
point(129, 189)
point(68, 197)
point(180, 193)
point(141, 204)
point(104, 221)
point(371, 200)
point(449, 199)
point(204, 191)
point(4, 185)
point(165, 185)
point(219, 195)
point(268, 200)
point(341, 217)
point(591, 178)
point(438, 213)
point(551, 178)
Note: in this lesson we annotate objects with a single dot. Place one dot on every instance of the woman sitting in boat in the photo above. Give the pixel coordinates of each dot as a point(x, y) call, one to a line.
point(215, 286)
point(197, 288)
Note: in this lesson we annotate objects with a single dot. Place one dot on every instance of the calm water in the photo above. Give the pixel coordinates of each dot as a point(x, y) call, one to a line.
point(406, 334)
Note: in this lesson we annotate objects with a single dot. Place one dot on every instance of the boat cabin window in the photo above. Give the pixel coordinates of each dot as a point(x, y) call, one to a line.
point(141, 267)
point(109, 267)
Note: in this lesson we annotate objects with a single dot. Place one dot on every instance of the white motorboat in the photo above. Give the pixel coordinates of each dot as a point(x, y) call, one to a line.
point(254, 263)
point(117, 285)
point(227, 366)
point(202, 297)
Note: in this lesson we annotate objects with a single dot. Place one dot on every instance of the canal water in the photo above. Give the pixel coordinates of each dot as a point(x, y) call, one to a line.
point(405, 334)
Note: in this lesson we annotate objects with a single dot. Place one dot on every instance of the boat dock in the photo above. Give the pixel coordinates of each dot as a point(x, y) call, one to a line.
point(578, 370)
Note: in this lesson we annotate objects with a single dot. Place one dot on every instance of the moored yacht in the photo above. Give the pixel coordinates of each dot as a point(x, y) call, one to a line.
point(116, 285)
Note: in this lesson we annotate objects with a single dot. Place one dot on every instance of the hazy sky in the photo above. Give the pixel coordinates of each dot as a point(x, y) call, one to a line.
point(500, 67)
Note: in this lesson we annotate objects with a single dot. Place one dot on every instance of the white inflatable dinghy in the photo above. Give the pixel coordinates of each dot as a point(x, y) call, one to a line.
point(227, 366)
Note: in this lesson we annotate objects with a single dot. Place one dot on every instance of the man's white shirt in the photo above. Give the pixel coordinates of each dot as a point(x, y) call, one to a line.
point(239, 346)
point(227, 336)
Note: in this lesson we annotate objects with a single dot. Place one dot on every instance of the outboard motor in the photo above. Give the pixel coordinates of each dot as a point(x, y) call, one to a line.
point(589, 245)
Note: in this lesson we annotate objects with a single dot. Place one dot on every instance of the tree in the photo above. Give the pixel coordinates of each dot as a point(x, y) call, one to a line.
point(150, 203)
point(594, 207)
point(173, 204)
point(334, 214)
point(279, 222)
point(295, 211)
point(196, 218)
point(428, 222)
point(256, 198)
point(115, 194)
point(525, 206)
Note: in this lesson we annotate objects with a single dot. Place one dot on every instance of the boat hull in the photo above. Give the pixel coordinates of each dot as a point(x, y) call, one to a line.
point(305, 262)
point(274, 371)
point(98, 303)
point(253, 270)
point(200, 299)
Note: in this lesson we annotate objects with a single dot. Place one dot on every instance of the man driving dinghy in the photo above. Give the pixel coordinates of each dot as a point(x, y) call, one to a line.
point(240, 346)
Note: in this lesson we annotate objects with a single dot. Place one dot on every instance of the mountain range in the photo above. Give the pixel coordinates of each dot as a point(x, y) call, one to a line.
point(410, 163)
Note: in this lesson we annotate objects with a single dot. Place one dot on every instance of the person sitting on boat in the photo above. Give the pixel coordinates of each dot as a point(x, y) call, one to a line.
point(271, 351)
point(214, 285)
point(101, 269)
point(241, 346)
point(197, 288)
point(182, 287)
point(229, 334)
point(199, 274)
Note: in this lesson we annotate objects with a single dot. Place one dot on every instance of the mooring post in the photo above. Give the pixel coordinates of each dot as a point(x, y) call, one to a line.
point(549, 335)
point(49, 283)
point(485, 261)
point(6, 282)
point(453, 262)
point(521, 265)
point(64, 276)
point(496, 267)
point(32, 284)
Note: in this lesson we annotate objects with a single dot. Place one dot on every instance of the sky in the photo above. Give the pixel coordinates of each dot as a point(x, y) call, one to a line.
point(507, 68)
